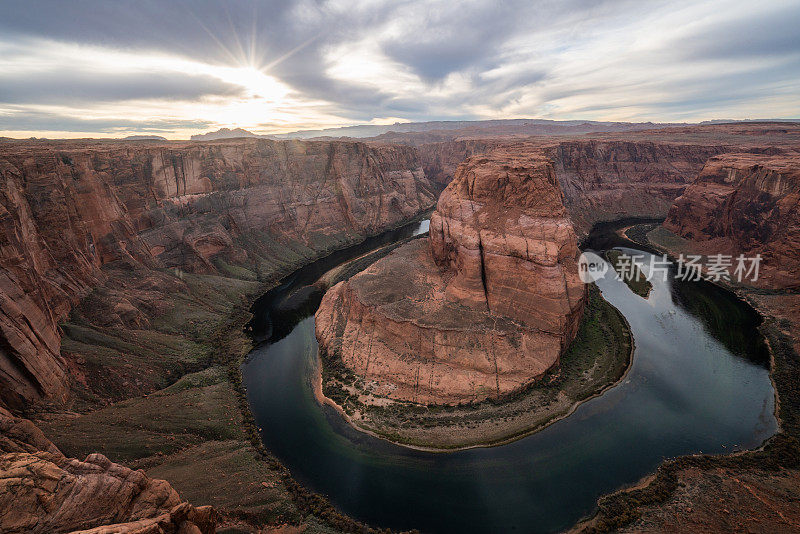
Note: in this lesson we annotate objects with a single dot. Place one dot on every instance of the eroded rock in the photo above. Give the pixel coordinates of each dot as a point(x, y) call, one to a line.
point(484, 308)
point(746, 204)
point(71, 211)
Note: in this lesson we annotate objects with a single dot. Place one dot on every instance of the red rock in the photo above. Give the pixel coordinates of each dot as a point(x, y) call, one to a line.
point(71, 211)
point(42, 491)
point(746, 204)
point(601, 179)
point(483, 309)
point(47, 493)
point(608, 180)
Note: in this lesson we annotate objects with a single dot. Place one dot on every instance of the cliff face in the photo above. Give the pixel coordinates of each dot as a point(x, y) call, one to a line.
point(482, 309)
point(501, 227)
point(440, 160)
point(41, 491)
point(746, 204)
point(80, 216)
point(607, 180)
point(601, 179)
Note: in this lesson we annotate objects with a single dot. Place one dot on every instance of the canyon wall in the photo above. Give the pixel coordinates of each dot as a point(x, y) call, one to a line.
point(440, 160)
point(73, 213)
point(609, 180)
point(746, 204)
point(483, 308)
point(601, 179)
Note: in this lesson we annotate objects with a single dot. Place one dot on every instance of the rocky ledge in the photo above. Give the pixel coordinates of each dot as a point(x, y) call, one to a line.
point(745, 204)
point(483, 308)
point(42, 491)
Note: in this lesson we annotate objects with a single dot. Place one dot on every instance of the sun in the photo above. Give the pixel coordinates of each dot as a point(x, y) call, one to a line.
point(256, 82)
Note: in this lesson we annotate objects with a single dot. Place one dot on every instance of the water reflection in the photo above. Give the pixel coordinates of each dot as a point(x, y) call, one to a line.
point(687, 391)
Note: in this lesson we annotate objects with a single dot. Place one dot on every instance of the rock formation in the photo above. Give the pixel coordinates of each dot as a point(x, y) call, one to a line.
point(609, 180)
point(487, 306)
point(41, 491)
point(746, 204)
point(70, 211)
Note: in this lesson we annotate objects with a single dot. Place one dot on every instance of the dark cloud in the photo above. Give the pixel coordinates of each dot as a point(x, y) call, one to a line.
point(38, 121)
point(764, 34)
point(431, 39)
point(461, 37)
point(444, 38)
point(215, 31)
point(69, 86)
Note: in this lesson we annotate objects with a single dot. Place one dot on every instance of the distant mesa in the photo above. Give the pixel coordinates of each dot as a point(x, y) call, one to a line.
point(226, 133)
point(471, 128)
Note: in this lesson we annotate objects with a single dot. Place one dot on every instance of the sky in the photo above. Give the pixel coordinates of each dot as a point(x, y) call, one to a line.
point(107, 68)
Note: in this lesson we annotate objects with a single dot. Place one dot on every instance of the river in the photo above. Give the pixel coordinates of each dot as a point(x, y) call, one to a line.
point(699, 382)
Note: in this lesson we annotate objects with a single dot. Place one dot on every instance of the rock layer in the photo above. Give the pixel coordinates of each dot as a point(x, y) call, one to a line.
point(609, 180)
point(70, 211)
point(484, 308)
point(746, 204)
point(601, 179)
point(41, 491)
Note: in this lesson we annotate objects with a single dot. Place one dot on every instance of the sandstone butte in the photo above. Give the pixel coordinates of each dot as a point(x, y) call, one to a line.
point(745, 204)
point(482, 308)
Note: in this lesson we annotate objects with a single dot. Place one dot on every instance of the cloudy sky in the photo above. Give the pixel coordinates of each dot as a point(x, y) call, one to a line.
point(107, 68)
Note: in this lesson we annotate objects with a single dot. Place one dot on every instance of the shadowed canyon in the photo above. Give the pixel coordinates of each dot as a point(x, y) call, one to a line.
point(132, 272)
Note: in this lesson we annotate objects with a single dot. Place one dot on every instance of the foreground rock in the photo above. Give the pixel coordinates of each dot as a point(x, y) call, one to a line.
point(42, 491)
point(484, 309)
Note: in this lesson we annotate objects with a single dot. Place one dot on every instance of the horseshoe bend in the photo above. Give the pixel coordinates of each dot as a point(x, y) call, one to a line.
point(482, 308)
point(419, 267)
point(129, 268)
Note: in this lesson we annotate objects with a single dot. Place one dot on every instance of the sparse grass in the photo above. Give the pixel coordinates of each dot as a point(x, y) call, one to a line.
point(167, 397)
point(234, 271)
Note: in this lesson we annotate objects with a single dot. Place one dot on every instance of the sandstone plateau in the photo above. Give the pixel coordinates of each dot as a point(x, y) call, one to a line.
point(483, 308)
point(746, 204)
